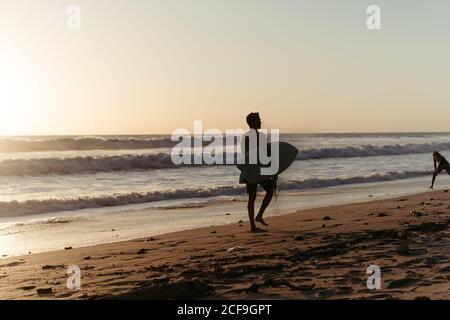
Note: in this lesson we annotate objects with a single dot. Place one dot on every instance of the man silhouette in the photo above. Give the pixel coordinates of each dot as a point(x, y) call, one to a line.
point(269, 185)
point(440, 164)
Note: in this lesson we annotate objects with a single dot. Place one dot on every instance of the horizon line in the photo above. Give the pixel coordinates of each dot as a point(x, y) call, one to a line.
point(166, 134)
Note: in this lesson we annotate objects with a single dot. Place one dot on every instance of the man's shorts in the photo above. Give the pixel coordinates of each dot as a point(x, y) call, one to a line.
point(268, 185)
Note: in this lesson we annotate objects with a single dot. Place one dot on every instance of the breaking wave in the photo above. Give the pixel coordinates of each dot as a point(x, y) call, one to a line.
point(89, 164)
point(82, 143)
point(371, 150)
point(16, 208)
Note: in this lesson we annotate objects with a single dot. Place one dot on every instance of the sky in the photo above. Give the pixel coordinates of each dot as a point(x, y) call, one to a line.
point(150, 67)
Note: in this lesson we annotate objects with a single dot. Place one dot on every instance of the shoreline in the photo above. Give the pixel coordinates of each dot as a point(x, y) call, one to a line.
point(303, 256)
point(55, 231)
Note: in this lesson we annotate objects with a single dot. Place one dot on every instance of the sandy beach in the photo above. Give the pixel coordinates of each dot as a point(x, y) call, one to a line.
point(318, 253)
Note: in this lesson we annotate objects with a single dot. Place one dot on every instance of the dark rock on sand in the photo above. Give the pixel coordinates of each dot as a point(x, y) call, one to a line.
point(50, 267)
point(26, 288)
point(402, 283)
point(44, 290)
point(299, 238)
point(382, 214)
point(416, 213)
point(403, 250)
point(326, 218)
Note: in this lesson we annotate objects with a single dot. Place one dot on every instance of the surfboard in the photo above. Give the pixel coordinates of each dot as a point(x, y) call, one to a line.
point(251, 173)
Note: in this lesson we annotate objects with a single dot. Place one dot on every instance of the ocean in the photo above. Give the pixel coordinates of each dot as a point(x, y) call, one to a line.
point(74, 185)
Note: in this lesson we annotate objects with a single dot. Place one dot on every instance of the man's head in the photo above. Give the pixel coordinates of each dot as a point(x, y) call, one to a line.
point(254, 121)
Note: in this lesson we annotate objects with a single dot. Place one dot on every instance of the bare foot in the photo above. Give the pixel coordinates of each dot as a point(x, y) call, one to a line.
point(256, 230)
point(261, 220)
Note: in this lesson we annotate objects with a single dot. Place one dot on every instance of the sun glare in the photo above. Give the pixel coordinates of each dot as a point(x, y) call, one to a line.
point(16, 92)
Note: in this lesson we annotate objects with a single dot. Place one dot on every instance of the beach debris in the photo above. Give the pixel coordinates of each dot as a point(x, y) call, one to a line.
point(44, 290)
point(381, 214)
point(68, 248)
point(236, 248)
point(150, 239)
point(398, 207)
point(326, 218)
point(88, 268)
point(299, 238)
point(240, 221)
point(253, 287)
point(370, 214)
point(113, 230)
point(323, 226)
point(50, 267)
point(415, 213)
point(213, 232)
point(26, 288)
point(142, 251)
point(445, 191)
point(403, 250)
point(87, 258)
point(422, 298)
point(227, 214)
point(401, 283)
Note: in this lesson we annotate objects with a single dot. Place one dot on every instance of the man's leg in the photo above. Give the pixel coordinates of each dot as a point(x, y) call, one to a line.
point(270, 189)
point(251, 190)
point(435, 174)
point(432, 179)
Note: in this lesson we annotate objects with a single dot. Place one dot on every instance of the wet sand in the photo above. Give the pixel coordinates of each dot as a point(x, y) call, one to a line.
point(311, 254)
